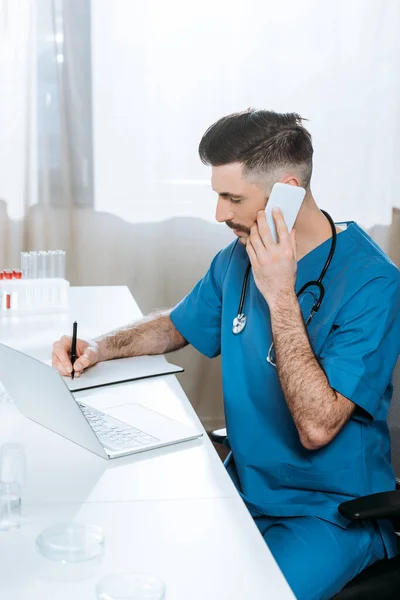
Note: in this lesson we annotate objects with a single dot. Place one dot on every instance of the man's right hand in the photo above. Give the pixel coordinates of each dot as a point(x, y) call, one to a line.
point(87, 353)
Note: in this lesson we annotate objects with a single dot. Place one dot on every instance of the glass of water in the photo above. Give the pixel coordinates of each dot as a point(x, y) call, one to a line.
point(13, 463)
point(12, 479)
point(130, 586)
point(10, 505)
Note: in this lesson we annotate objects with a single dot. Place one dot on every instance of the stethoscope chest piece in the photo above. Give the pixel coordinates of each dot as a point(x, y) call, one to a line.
point(239, 323)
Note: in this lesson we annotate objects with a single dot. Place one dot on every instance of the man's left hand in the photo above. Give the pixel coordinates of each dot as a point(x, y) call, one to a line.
point(274, 264)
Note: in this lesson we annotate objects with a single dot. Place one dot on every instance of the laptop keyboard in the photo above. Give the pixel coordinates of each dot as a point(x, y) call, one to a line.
point(115, 434)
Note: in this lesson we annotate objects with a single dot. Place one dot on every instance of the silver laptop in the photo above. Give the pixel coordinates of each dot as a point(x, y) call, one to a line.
point(41, 394)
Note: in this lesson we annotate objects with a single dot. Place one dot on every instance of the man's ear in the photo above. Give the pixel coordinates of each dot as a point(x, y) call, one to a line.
point(291, 180)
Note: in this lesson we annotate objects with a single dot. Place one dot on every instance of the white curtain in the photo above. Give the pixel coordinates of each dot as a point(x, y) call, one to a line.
point(161, 73)
point(164, 71)
point(17, 120)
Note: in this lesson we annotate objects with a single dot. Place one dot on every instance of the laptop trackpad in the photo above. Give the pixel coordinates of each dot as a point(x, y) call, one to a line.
point(152, 423)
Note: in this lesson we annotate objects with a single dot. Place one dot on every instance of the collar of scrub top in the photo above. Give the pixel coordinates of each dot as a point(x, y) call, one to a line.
point(239, 322)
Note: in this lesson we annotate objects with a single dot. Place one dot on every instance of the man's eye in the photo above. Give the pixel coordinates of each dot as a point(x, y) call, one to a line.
point(236, 200)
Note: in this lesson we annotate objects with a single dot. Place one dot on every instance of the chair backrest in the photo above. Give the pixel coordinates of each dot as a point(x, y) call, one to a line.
point(394, 421)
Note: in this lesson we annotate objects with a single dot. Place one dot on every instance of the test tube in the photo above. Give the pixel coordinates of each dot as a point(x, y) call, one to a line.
point(16, 295)
point(41, 264)
point(60, 264)
point(33, 264)
point(51, 264)
point(1, 296)
point(7, 275)
point(25, 261)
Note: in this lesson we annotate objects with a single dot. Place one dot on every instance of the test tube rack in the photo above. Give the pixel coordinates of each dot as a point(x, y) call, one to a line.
point(39, 287)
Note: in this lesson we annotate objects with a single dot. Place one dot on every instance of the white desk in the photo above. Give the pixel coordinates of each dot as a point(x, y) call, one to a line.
point(159, 510)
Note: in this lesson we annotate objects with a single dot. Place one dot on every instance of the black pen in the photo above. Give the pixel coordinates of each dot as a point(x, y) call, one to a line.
point(73, 347)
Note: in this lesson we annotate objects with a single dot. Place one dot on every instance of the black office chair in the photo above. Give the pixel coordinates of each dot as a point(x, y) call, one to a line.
point(380, 581)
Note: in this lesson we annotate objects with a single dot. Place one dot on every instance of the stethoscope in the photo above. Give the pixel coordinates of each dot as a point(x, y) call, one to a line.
point(239, 322)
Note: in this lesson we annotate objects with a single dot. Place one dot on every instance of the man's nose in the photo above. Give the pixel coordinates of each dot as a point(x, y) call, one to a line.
point(223, 212)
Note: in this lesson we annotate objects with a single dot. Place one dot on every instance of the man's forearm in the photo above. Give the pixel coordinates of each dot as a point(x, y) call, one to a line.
point(153, 334)
point(319, 412)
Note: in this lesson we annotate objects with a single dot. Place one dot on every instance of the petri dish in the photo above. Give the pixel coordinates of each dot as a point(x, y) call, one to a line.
point(71, 542)
point(130, 586)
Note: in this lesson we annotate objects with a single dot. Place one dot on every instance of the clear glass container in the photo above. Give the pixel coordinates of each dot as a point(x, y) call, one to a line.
point(71, 542)
point(13, 463)
point(10, 505)
point(130, 586)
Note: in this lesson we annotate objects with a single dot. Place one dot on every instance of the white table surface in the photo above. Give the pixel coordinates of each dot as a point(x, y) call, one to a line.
point(160, 510)
point(172, 540)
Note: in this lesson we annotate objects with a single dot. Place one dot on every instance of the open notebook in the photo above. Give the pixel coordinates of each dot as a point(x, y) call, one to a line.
point(120, 370)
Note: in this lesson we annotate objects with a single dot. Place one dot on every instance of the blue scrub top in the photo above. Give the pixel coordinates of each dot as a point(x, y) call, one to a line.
point(356, 339)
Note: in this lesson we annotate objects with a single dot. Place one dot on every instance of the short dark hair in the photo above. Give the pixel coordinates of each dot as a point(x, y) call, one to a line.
point(261, 140)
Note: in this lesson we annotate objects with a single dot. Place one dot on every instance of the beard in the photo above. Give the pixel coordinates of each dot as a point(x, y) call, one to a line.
point(238, 227)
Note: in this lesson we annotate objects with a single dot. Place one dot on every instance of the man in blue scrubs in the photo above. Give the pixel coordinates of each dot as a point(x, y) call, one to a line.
point(307, 429)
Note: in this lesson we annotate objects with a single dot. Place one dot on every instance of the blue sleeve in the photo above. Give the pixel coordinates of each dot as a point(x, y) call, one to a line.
point(198, 316)
point(361, 352)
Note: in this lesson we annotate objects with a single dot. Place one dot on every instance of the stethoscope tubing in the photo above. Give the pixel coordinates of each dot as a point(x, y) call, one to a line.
point(318, 283)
